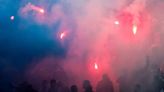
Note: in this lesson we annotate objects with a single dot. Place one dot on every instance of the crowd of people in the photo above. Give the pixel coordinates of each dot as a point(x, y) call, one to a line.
point(105, 85)
point(150, 78)
point(146, 79)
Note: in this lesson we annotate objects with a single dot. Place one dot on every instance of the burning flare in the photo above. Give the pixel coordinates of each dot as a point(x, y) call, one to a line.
point(96, 66)
point(32, 7)
point(62, 35)
point(134, 29)
point(41, 10)
point(12, 17)
point(117, 22)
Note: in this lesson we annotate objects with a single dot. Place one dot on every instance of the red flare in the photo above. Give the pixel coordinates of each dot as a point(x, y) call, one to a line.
point(117, 22)
point(36, 8)
point(134, 29)
point(41, 10)
point(96, 66)
point(62, 35)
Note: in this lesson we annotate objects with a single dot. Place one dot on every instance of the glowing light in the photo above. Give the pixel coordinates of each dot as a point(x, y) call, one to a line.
point(12, 17)
point(117, 22)
point(35, 8)
point(134, 29)
point(38, 9)
point(96, 66)
point(62, 35)
point(41, 10)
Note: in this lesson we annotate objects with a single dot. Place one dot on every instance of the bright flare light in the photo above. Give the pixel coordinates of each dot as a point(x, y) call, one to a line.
point(41, 10)
point(134, 29)
point(36, 8)
point(116, 22)
point(62, 35)
point(12, 17)
point(96, 66)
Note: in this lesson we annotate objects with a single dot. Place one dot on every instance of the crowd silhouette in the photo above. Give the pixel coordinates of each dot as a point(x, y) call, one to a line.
point(104, 85)
point(141, 81)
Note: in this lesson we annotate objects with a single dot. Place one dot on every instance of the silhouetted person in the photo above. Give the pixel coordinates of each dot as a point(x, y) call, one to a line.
point(25, 87)
point(30, 89)
point(123, 83)
point(22, 87)
point(105, 85)
point(157, 80)
point(162, 81)
point(61, 87)
point(53, 87)
point(137, 88)
point(74, 88)
point(1, 82)
point(87, 86)
point(44, 86)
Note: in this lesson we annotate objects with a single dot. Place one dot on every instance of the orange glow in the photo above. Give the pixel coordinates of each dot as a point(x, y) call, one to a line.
point(134, 29)
point(96, 66)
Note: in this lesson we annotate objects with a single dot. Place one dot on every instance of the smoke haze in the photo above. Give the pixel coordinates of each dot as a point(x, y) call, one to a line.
point(92, 37)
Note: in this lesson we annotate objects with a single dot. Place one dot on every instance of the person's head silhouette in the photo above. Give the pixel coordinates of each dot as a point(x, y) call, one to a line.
point(53, 83)
point(105, 77)
point(74, 88)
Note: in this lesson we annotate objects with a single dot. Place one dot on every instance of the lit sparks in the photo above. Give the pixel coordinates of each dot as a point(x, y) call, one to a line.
point(12, 17)
point(134, 29)
point(62, 35)
point(117, 22)
point(96, 66)
point(41, 10)
point(38, 9)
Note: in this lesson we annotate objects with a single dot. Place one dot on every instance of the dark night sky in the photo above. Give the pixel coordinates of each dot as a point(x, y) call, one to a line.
point(23, 40)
